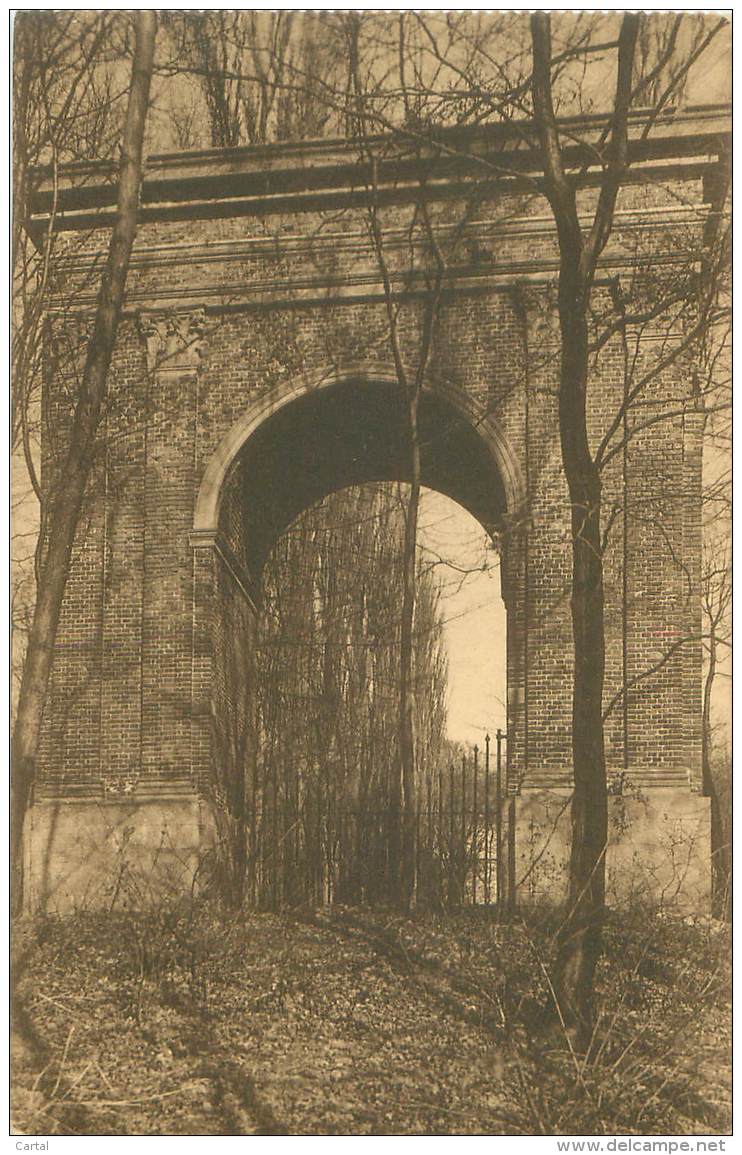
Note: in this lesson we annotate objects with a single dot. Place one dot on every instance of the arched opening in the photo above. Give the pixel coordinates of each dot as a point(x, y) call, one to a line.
point(299, 443)
point(296, 816)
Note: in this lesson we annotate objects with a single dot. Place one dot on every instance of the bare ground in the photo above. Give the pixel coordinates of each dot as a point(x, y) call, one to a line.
point(349, 1022)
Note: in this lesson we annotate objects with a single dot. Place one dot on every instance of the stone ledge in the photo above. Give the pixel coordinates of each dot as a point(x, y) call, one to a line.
point(98, 789)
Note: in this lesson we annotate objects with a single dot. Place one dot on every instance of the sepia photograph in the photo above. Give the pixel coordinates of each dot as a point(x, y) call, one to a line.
point(370, 558)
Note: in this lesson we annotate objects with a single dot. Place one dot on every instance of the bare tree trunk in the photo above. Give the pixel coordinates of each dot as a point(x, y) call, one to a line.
point(67, 502)
point(707, 777)
point(580, 935)
point(721, 866)
point(579, 940)
point(407, 745)
point(402, 834)
point(20, 150)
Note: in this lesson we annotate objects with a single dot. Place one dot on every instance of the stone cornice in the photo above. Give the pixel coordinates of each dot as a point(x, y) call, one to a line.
point(357, 288)
point(335, 268)
point(634, 781)
point(320, 175)
point(355, 244)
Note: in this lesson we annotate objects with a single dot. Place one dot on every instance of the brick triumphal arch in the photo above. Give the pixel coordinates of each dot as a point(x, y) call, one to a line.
point(253, 375)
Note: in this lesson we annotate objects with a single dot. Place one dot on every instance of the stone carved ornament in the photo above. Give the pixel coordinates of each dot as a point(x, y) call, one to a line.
point(174, 340)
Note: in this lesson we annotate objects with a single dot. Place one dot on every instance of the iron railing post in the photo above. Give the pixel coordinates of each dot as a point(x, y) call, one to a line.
point(487, 819)
point(498, 821)
point(462, 803)
point(451, 838)
point(475, 827)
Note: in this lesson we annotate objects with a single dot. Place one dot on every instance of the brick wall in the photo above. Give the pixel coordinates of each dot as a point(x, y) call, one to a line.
point(152, 675)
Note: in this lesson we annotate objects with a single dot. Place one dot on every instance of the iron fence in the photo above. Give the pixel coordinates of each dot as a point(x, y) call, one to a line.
point(306, 844)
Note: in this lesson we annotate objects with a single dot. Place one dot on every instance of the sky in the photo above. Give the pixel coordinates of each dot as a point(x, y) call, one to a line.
point(473, 613)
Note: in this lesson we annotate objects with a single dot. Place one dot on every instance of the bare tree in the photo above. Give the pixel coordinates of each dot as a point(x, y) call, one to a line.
point(264, 75)
point(580, 250)
point(68, 497)
point(410, 382)
point(327, 691)
point(64, 109)
point(717, 596)
point(579, 945)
